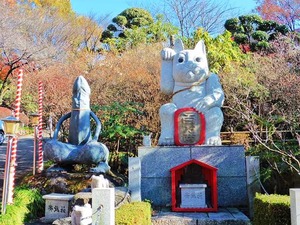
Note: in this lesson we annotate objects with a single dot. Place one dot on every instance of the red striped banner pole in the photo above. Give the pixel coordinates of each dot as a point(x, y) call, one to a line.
point(40, 130)
point(12, 171)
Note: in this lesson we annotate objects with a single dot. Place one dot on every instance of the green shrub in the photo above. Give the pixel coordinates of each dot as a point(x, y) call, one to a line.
point(271, 210)
point(136, 213)
point(28, 204)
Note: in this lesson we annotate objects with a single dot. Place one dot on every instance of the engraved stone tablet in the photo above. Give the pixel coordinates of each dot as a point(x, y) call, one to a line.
point(193, 195)
point(57, 206)
point(189, 127)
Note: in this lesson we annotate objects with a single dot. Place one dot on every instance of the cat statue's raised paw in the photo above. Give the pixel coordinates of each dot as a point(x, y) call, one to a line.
point(185, 76)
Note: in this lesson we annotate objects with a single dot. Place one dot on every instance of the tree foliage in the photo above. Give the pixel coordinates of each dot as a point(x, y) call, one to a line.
point(285, 12)
point(136, 26)
point(262, 97)
point(189, 15)
point(129, 19)
point(133, 17)
point(253, 31)
point(64, 8)
point(90, 33)
point(30, 43)
point(222, 51)
point(35, 44)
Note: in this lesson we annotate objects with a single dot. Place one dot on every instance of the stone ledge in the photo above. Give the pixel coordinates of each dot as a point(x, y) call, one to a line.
point(157, 161)
point(225, 216)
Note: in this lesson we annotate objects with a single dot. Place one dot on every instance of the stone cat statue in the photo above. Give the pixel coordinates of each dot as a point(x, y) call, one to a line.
point(185, 75)
point(99, 182)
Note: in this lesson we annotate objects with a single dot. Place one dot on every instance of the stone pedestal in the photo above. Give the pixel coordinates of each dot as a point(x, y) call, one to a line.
point(134, 183)
point(295, 206)
point(103, 206)
point(57, 206)
point(193, 195)
point(253, 185)
point(156, 163)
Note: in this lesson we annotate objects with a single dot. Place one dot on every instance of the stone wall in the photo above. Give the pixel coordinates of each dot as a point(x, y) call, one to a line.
point(156, 163)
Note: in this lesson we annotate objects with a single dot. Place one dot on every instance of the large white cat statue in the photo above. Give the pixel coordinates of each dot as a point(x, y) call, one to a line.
point(185, 76)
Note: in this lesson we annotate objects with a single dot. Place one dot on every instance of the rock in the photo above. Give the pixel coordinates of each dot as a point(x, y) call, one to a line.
point(60, 184)
point(122, 196)
point(82, 198)
point(63, 221)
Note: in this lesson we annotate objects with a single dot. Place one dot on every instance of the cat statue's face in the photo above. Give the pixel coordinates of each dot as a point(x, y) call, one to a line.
point(190, 66)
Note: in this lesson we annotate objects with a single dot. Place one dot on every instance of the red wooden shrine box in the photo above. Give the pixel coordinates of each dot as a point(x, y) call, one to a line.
point(207, 172)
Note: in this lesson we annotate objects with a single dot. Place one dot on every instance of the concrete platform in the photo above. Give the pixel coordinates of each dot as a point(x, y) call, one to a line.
point(225, 216)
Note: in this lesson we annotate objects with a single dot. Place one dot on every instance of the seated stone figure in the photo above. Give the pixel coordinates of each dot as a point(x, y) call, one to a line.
point(185, 76)
point(81, 148)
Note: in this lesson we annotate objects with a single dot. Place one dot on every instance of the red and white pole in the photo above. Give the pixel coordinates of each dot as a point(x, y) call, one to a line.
point(12, 170)
point(40, 128)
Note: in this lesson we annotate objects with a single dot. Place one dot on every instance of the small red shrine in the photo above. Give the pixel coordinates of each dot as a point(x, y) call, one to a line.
point(194, 172)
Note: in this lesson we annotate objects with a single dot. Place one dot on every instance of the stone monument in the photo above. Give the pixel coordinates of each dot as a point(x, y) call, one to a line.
point(197, 97)
point(190, 161)
point(103, 201)
point(82, 147)
point(57, 206)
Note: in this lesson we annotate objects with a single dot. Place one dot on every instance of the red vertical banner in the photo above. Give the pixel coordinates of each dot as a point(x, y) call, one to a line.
point(12, 170)
point(40, 130)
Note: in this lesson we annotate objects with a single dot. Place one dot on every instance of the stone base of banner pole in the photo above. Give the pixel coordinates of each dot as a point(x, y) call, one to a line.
point(103, 206)
point(295, 206)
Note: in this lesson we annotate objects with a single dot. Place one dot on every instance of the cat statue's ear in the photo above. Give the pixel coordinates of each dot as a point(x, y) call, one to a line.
point(178, 47)
point(200, 47)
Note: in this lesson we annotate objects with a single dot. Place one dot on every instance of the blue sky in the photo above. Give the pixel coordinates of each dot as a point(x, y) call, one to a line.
point(99, 7)
point(114, 7)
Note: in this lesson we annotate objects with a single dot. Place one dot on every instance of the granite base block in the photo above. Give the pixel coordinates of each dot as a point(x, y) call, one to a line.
point(230, 160)
point(157, 190)
point(156, 163)
point(232, 191)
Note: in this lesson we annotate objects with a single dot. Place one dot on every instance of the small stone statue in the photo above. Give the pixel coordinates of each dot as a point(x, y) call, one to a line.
point(147, 140)
point(82, 215)
point(185, 76)
point(99, 182)
point(81, 147)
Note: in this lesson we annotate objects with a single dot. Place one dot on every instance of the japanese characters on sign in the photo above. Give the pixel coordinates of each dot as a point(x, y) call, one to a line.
point(194, 195)
point(57, 208)
point(189, 127)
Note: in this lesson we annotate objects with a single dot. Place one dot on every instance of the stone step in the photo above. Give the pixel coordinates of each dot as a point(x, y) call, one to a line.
point(225, 216)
